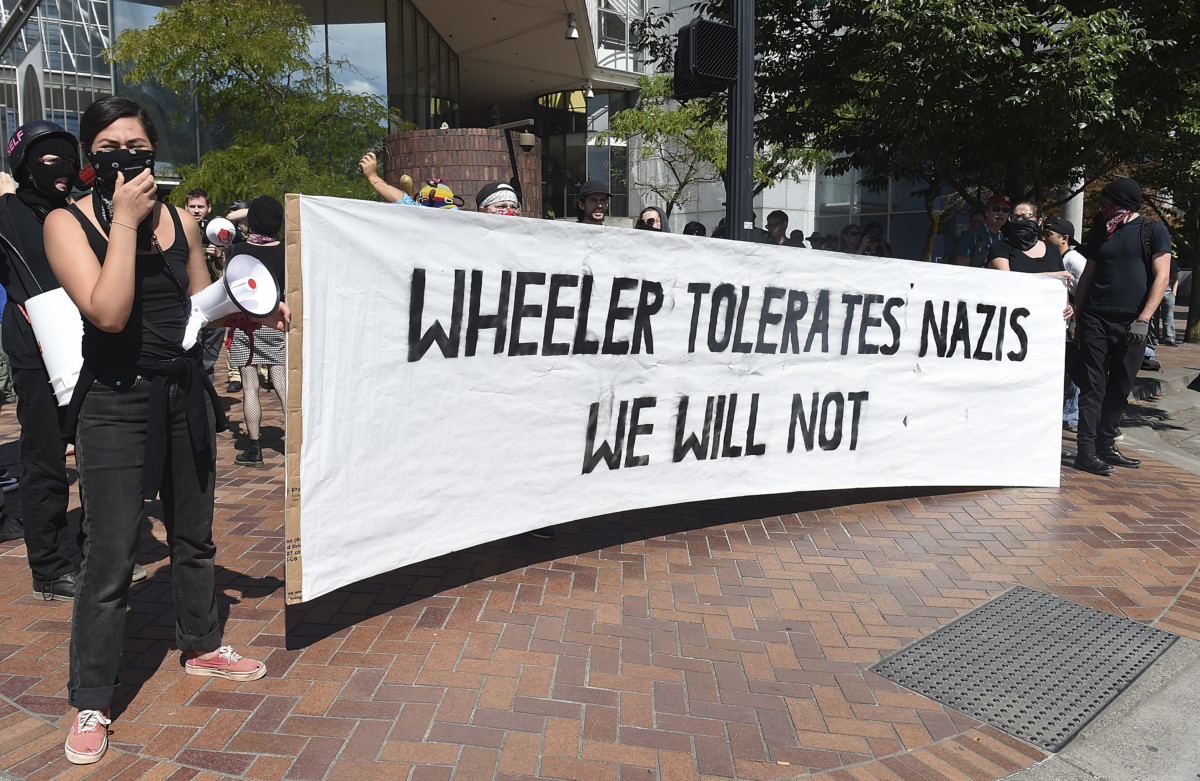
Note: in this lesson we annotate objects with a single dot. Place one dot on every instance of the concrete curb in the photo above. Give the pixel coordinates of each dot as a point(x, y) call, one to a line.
point(1163, 383)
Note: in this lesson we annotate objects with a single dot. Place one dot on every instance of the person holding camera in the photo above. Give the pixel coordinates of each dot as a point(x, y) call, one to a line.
point(143, 414)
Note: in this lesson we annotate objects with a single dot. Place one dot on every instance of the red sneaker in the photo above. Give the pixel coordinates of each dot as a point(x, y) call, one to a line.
point(226, 664)
point(88, 739)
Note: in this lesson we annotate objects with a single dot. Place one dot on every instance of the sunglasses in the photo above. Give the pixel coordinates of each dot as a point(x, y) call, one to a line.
point(853, 233)
point(1003, 209)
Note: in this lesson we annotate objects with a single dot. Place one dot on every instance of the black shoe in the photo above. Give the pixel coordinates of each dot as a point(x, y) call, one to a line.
point(251, 456)
point(233, 387)
point(10, 528)
point(1113, 456)
point(1090, 462)
point(61, 588)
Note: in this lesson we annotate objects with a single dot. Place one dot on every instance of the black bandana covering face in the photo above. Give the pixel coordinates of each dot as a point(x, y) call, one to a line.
point(107, 164)
point(1022, 233)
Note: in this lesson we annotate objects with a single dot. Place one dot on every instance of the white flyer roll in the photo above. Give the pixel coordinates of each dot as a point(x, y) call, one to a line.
point(58, 327)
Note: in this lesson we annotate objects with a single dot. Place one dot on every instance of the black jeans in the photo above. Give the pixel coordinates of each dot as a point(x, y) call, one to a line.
point(109, 449)
point(44, 489)
point(1107, 367)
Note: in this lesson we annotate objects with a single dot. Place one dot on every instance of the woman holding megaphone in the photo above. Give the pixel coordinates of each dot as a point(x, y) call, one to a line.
point(143, 413)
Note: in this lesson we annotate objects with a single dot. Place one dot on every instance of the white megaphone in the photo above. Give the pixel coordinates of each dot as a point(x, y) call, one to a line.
point(220, 231)
point(248, 286)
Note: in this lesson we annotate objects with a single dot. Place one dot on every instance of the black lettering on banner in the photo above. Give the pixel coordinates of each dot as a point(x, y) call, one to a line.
point(697, 289)
point(521, 309)
point(820, 324)
point(851, 300)
point(1000, 322)
point(722, 293)
point(989, 313)
point(718, 420)
point(477, 322)
point(767, 317)
point(754, 448)
point(636, 428)
point(857, 398)
point(729, 450)
point(419, 343)
point(555, 312)
point(609, 454)
point(698, 447)
point(650, 301)
point(930, 326)
point(797, 307)
point(894, 324)
point(617, 312)
point(961, 333)
point(866, 321)
point(738, 345)
point(807, 429)
point(1019, 330)
point(839, 402)
point(583, 345)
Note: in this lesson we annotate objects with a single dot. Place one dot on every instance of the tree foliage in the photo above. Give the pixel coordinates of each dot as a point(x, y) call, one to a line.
point(969, 96)
point(285, 124)
point(688, 141)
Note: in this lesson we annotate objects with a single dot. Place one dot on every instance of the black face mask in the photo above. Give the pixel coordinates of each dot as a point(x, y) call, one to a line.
point(45, 174)
point(131, 162)
point(1022, 233)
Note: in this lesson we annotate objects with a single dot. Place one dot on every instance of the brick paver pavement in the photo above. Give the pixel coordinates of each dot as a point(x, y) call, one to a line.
point(719, 640)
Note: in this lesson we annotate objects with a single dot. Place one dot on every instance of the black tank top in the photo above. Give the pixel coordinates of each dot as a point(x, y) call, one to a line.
point(154, 334)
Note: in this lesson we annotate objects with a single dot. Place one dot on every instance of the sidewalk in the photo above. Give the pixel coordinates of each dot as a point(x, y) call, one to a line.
point(719, 640)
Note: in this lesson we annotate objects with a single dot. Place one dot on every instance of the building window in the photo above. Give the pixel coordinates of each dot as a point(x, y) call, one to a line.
point(423, 72)
point(567, 123)
point(614, 46)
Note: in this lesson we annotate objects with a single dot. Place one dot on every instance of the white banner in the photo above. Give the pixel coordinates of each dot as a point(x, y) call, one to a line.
point(467, 377)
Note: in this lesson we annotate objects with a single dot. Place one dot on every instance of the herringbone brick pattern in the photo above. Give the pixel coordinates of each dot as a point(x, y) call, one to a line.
point(715, 641)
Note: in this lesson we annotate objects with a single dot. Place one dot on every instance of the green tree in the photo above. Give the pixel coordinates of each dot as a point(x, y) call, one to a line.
point(967, 96)
point(688, 143)
point(286, 125)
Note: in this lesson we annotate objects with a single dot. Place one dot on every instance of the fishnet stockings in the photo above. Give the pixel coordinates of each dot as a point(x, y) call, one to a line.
point(251, 408)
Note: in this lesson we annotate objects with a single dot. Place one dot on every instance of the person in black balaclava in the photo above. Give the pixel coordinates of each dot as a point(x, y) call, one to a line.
point(44, 159)
point(1128, 267)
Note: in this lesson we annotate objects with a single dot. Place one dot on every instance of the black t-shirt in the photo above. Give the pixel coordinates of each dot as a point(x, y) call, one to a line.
point(1120, 281)
point(1019, 261)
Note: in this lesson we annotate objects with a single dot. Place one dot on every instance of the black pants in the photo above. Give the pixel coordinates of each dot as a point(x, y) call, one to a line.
point(44, 489)
point(109, 449)
point(1107, 368)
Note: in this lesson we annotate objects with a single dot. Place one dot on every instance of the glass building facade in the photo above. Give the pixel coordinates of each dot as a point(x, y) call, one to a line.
point(59, 45)
point(567, 123)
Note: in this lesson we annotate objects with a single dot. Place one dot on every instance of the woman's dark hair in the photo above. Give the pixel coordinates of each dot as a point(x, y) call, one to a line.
point(1037, 210)
point(108, 110)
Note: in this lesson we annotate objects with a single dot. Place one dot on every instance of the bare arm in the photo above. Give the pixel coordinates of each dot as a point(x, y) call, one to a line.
point(1158, 285)
point(999, 263)
point(369, 166)
point(103, 293)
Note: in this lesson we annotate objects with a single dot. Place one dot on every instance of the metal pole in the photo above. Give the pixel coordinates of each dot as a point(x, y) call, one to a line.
point(740, 201)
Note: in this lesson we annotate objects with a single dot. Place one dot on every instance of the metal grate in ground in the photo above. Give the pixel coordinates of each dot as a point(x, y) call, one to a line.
point(1034, 665)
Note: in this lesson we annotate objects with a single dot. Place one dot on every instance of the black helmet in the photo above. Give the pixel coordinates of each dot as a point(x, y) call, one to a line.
point(18, 145)
point(241, 204)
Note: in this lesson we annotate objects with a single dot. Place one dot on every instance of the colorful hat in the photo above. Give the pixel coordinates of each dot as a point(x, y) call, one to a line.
point(437, 194)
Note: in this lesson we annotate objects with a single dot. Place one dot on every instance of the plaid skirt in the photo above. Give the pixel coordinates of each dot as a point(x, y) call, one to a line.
point(264, 347)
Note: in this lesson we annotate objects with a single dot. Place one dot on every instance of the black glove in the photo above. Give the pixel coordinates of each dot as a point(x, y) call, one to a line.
point(1137, 334)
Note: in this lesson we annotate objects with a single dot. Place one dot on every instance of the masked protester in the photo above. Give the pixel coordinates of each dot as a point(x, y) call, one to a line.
point(1122, 285)
point(653, 218)
point(44, 159)
point(1020, 246)
point(143, 413)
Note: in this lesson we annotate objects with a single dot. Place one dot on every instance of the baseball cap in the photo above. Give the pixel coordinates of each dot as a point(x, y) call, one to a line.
point(591, 187)
point(1061, 227)
point(999, 200)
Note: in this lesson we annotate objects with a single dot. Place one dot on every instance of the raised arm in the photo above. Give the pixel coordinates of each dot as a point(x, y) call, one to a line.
point(103, 293)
